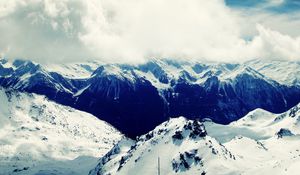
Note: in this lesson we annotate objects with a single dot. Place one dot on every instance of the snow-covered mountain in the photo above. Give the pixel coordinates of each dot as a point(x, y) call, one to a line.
point(136, 98)
point(38, 136)
point(259, 143)
point(181, 146)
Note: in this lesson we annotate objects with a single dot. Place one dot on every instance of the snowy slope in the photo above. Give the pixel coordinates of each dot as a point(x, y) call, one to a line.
point(77, 70)
point(278, 153)
point(259, 143)
point(39, 136)
point(266, 143)
point(258, 124)
point(285, 72)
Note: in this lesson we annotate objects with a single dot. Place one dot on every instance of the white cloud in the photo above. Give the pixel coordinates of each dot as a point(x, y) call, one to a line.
point(276, 2)
point(274, 45)
point(134, 30)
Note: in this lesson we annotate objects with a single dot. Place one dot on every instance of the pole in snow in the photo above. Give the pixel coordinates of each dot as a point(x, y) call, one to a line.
point(158, 166)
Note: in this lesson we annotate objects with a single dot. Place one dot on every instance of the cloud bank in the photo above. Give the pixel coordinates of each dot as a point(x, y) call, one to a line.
point(135, 30)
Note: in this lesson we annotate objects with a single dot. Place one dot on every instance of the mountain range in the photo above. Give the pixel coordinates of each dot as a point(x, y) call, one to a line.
point(135, 98)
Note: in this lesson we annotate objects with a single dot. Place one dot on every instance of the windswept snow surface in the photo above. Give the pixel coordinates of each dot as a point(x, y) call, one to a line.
point(41, 137)
point(259, 143)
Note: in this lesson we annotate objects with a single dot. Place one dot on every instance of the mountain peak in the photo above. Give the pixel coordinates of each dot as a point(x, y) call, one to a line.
point(181, 145)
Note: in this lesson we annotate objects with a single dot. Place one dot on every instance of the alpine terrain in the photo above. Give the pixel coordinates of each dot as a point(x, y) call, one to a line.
point(38, 136)
point(259, 143)
point(135, 98)
point(150, 87)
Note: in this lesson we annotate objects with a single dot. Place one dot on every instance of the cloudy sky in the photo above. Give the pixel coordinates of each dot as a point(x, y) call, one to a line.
point(135, 30)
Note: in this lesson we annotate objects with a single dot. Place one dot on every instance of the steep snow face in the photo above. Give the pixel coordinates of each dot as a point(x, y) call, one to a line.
point(259, 143)
point(41, 137)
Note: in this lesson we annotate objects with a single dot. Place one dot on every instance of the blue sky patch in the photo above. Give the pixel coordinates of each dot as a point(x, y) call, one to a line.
point(286, 7)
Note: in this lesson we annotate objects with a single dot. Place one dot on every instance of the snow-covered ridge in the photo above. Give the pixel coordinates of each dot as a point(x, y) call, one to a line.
point(283, 72)
point(259, 143)
point(40, 136)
